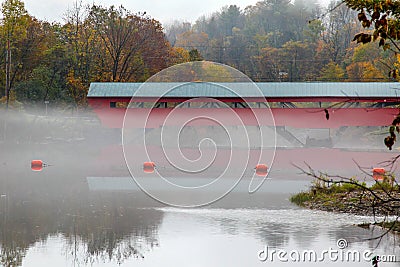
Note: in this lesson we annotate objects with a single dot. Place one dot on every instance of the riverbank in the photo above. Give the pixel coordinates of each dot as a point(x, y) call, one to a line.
point(381, 199)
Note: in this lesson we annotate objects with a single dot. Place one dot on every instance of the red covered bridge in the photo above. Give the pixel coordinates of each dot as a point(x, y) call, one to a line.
point(299, 105)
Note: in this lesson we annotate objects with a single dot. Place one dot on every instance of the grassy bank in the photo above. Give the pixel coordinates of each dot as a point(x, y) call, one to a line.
point(382, 198)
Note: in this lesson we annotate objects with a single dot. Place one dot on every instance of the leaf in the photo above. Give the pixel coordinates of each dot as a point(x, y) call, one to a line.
point(326, 114)
point(376, 15)
point(389, 142)
point(363, 38)
point(383, 22)
point(367, 38)
point(366, 23)
point(361, 16)
point(396, 121)
point(357, 37)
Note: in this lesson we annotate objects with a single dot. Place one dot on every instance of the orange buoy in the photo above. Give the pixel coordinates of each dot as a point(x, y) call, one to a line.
point(262, 170)
point(37, 165)
point(148, 167)
point(378, 174)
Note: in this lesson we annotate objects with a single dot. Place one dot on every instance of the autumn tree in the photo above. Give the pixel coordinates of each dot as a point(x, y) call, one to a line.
point(332, 72)
point(176, 28)
point(82, 48)
point(179, 55)
point(13, 29)
point(43, 66)
point(269, 41)
point(298, 55)
point(192, 40)
point(112, 44)
point(292, 62)
point(368, 64)
point(134, 45)
point(266, 66)
point(35, 73)
point(341, 26)
point(194, 55)
point(381, 20)
point(57, 62)
point(384, 18)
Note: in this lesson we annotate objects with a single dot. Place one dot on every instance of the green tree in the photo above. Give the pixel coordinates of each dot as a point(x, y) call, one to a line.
point(369, 63)
point(314, 31)
point(238, 37)
point(332, 72)
point(36, 74)
point(229, 18)
point(194, 55)
point(13, 29)
point(298, 55)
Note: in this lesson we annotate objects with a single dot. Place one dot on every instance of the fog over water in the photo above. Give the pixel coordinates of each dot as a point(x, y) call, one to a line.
point(86, 210)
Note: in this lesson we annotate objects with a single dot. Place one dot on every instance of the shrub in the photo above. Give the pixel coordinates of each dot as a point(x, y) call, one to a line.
point(300, 198)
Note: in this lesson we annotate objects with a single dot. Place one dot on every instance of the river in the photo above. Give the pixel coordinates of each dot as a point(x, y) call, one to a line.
point(72, 224)
point(86, 210)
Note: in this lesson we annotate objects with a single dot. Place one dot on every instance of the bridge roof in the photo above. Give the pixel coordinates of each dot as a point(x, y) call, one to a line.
point(233, 90)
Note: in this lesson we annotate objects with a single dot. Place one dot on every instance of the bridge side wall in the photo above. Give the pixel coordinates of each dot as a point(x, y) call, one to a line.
point(293, 117)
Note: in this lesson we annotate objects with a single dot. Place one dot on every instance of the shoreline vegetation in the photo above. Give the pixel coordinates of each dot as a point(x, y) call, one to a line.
point(353, 197)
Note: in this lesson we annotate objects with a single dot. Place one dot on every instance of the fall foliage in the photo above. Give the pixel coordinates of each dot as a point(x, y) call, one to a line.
point(381, 22)
point(269, 41)
point(57, 62)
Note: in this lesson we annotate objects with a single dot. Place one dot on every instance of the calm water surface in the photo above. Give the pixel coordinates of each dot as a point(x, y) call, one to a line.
point(66, 216)
point(74, 226)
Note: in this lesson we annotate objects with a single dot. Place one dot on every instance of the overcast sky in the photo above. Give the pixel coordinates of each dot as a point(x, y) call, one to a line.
point(163, 10)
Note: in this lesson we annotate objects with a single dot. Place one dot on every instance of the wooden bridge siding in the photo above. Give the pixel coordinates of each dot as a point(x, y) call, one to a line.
point(293, 117)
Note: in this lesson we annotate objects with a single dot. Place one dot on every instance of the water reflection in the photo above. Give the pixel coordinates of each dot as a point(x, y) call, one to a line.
point(274, 234)
point(238, 234)
point(94, 226)
point(127, 227)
